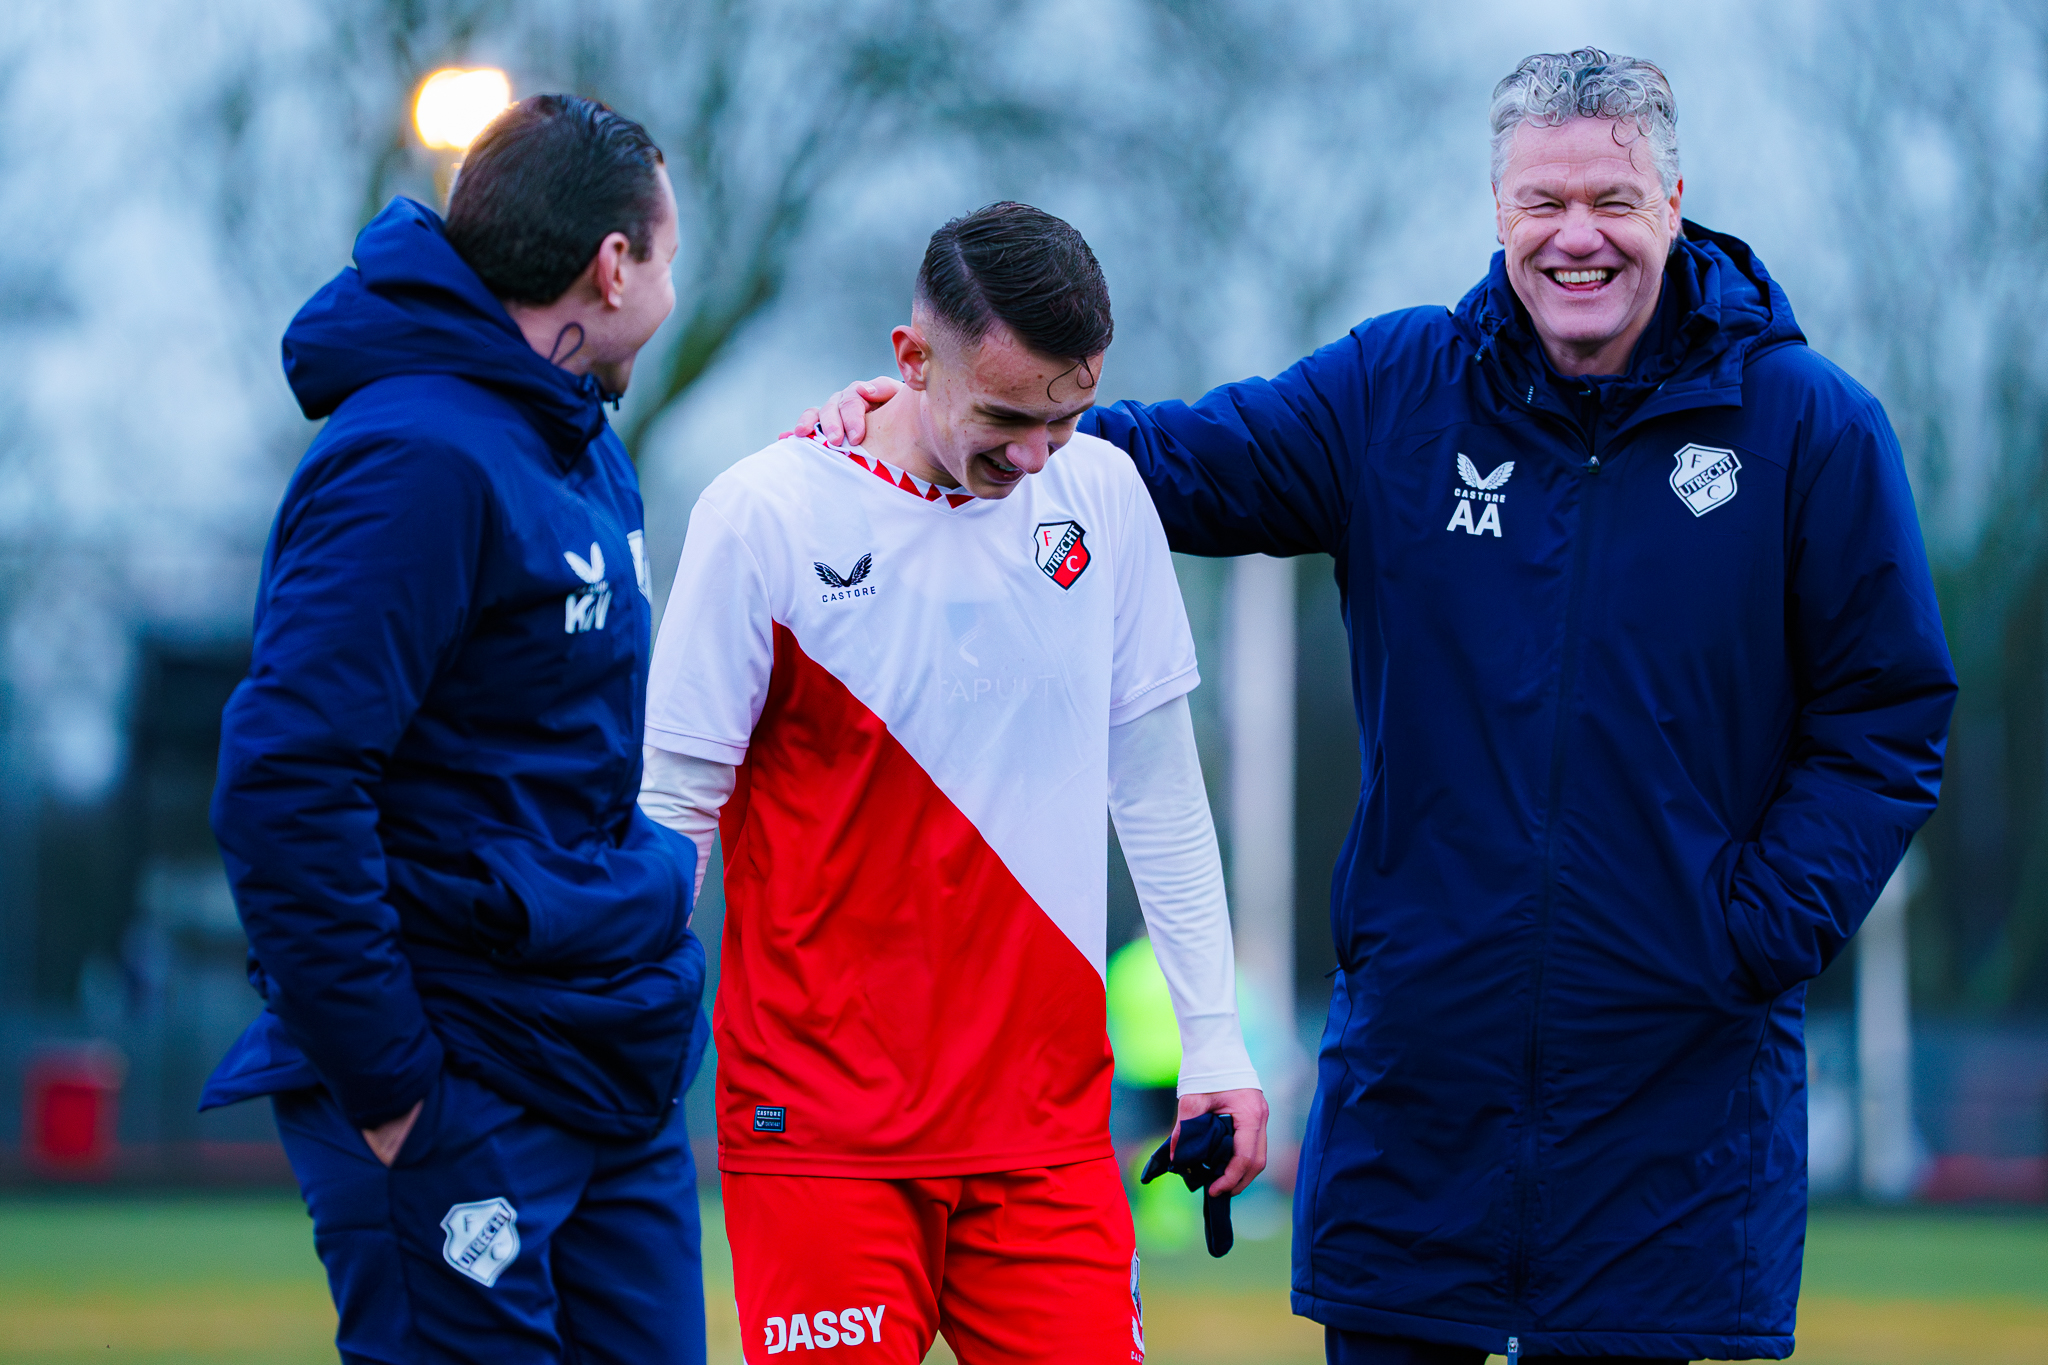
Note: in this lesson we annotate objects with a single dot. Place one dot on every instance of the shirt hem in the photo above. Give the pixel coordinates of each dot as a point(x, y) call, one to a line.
point(696, 746)
point(1155, 696)
point(912, 1165)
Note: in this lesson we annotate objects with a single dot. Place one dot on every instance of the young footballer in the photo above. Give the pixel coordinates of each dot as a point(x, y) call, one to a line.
point(906, 681)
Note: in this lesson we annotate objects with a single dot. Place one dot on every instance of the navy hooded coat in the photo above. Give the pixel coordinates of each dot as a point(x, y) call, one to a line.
point(1651, 693)
point(427, 788)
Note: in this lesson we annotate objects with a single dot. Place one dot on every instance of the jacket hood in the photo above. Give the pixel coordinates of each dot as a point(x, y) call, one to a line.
point(1719, 310)
point(410, 305)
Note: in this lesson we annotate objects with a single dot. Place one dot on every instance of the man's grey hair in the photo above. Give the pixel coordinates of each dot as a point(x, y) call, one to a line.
point(1553, 87)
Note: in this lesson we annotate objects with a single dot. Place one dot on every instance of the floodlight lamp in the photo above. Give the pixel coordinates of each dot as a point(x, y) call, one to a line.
point(455, 105)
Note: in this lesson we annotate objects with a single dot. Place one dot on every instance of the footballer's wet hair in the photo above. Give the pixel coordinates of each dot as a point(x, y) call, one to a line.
point(541, 189)
point(1022, 267)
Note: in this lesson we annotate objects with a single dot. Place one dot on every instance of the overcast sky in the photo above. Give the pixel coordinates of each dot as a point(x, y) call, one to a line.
point(146, 432)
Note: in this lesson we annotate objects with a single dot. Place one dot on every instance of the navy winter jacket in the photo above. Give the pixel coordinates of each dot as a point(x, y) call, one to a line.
point(1651, 693)
point(427, 786)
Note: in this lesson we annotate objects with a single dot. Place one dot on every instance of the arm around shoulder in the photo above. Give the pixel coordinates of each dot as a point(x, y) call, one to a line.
point(1260, 466)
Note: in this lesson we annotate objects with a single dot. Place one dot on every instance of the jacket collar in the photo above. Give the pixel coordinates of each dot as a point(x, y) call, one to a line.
point(1719, 309)
point(411, 305)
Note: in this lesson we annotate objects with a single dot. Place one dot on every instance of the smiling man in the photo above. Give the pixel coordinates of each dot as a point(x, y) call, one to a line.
point(911, 677)
point(1651, 693)
point(480, 983)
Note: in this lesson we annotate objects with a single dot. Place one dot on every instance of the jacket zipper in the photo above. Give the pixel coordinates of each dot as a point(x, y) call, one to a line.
point(1532, 1061)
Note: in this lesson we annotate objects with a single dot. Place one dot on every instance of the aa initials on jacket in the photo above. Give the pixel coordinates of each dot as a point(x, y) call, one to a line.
point(1638, 750)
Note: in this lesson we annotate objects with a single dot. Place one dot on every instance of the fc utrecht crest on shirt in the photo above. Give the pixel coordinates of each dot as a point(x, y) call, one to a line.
point(1705, 477)
point(1060, 550)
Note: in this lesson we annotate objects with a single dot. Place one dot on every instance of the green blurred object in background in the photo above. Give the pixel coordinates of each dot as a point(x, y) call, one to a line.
point(1141, 1025)
point(1166, 1214)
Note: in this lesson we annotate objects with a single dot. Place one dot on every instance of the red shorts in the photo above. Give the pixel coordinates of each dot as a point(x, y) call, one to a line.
point(1022, 1266)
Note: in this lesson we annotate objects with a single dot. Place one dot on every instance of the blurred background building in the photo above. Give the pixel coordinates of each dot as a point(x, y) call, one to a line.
point(1256, 178)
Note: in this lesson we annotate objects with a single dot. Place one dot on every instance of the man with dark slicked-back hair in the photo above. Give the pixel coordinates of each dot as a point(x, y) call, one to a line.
point(904, 681)
point(481, 988)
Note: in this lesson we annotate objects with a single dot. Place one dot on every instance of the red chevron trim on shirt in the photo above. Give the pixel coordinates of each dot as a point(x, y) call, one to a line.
point(901, 478)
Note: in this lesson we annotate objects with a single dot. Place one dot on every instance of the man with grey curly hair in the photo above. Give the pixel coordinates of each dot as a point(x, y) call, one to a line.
point(1601, 132)
point(1651, 691)
point(1551, 88)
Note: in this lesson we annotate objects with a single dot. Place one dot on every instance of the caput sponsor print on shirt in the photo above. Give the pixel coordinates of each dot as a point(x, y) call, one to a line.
point(822, 1330)
point(1483, 492)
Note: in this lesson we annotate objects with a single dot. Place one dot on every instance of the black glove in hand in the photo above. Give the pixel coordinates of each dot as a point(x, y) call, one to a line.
point(1204, 1150)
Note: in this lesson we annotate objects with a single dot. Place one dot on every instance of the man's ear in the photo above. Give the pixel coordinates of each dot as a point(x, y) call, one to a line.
point(1677, 214)
point(608, 269)
point(913, 354)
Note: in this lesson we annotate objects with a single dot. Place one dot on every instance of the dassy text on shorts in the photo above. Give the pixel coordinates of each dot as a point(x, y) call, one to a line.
point(819, 1331)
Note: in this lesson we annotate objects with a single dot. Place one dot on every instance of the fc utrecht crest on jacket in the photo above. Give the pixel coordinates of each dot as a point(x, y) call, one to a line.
point(483, 1238)
point(1482, 491)
point(1704, 477)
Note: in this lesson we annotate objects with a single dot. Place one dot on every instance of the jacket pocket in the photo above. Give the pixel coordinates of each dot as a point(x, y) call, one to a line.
point(472, 906)
point(600, 909)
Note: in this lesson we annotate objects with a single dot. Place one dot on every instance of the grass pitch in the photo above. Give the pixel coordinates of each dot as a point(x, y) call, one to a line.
point(235, 1282)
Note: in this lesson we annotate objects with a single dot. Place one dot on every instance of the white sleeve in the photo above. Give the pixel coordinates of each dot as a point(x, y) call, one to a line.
point(716, 649)
point(1153, 658)
point(686, 793)
point(1162, 820)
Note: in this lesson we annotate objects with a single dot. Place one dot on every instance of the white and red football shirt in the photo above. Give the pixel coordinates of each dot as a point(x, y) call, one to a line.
point(917, 688)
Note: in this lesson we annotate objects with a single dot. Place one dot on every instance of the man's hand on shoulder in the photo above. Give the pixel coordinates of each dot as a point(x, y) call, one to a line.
point(844, 418)
point(387, 1138)
point(1248, 1113)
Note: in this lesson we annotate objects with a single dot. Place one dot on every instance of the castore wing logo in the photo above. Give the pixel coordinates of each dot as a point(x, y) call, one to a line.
point(588, 606)
point(832, 580)
point(1484, 491)
point(854, 584)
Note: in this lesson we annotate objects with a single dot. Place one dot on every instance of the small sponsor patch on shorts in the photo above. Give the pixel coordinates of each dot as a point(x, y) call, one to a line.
point(769, 1118)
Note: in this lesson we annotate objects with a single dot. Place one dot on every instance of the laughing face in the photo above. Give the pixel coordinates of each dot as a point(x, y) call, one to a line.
point(1587, 227)
point(993, 411)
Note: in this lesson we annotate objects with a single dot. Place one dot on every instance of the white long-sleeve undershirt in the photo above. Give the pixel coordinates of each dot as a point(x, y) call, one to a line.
point(1161, 810)
point(686, 794)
